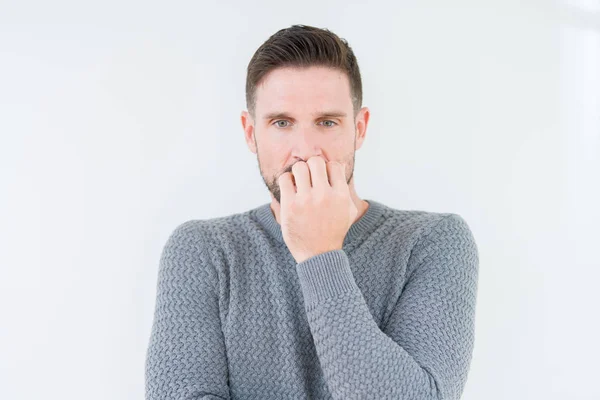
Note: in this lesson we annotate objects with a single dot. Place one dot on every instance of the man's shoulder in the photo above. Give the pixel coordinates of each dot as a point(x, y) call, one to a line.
point(417, 219)
point(213, 230)
point(433, 234)
point(420, 224)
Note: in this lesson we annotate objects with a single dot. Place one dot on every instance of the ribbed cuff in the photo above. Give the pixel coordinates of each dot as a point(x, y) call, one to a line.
point(324, 276)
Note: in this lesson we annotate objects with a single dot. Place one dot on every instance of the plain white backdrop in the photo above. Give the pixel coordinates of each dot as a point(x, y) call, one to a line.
point(121, 119)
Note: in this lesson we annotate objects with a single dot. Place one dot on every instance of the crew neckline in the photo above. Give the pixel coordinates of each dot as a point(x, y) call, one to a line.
point(363, 225)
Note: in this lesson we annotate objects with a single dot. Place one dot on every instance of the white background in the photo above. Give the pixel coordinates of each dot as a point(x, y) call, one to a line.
point(120, 119)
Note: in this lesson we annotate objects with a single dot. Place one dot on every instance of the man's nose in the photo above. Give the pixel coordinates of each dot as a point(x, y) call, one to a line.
point(307, 145)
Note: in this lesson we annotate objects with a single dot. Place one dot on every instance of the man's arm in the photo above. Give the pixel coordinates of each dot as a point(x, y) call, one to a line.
point(186, 353)
point(424, 351)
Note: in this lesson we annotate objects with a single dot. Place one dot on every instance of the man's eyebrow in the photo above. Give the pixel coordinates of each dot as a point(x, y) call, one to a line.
point(333, 114)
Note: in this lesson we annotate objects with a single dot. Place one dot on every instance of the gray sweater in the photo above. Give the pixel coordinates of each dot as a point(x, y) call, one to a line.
point(389, 316)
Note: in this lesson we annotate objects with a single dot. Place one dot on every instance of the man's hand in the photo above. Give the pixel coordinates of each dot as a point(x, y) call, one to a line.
point(317, 213)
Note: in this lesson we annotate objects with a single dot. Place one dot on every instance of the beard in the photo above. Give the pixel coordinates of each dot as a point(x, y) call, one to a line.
point(273, 185)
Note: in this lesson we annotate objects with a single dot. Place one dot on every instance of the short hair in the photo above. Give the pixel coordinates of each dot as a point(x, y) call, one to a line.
point(303, 46)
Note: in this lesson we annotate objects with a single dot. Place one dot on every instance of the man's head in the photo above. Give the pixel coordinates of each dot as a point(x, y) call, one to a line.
point(304, 97)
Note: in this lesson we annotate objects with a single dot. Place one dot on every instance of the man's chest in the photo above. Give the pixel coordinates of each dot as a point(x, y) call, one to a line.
point(267, 334)
point(266, 303)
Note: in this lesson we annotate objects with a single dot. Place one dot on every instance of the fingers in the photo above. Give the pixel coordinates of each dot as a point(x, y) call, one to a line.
point(302, 177)
point(337, 174)
point(286, 186)
point(318, 172)
point(314, 173)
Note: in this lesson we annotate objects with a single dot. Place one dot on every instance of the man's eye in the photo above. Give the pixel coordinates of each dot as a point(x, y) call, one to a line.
point(332, 123)
point(278, 123)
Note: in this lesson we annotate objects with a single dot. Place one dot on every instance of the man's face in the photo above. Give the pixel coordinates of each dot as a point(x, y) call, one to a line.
point(302, 113)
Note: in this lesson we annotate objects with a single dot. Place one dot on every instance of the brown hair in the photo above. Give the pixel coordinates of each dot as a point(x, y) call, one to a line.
point(303, 46)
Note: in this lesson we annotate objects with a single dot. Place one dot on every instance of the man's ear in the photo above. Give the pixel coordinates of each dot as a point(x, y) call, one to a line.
point(248, 126)
point(362, 120)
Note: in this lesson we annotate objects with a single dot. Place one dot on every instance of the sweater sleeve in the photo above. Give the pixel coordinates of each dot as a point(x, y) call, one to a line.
point(425, 347)
point(186, 358)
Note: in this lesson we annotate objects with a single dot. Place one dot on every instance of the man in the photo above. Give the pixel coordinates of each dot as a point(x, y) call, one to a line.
point(319, 294)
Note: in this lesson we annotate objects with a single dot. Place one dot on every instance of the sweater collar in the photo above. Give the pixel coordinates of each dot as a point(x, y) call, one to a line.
point(364, 225)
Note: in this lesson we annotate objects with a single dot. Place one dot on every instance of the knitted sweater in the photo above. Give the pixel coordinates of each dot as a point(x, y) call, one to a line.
point(389, 316)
